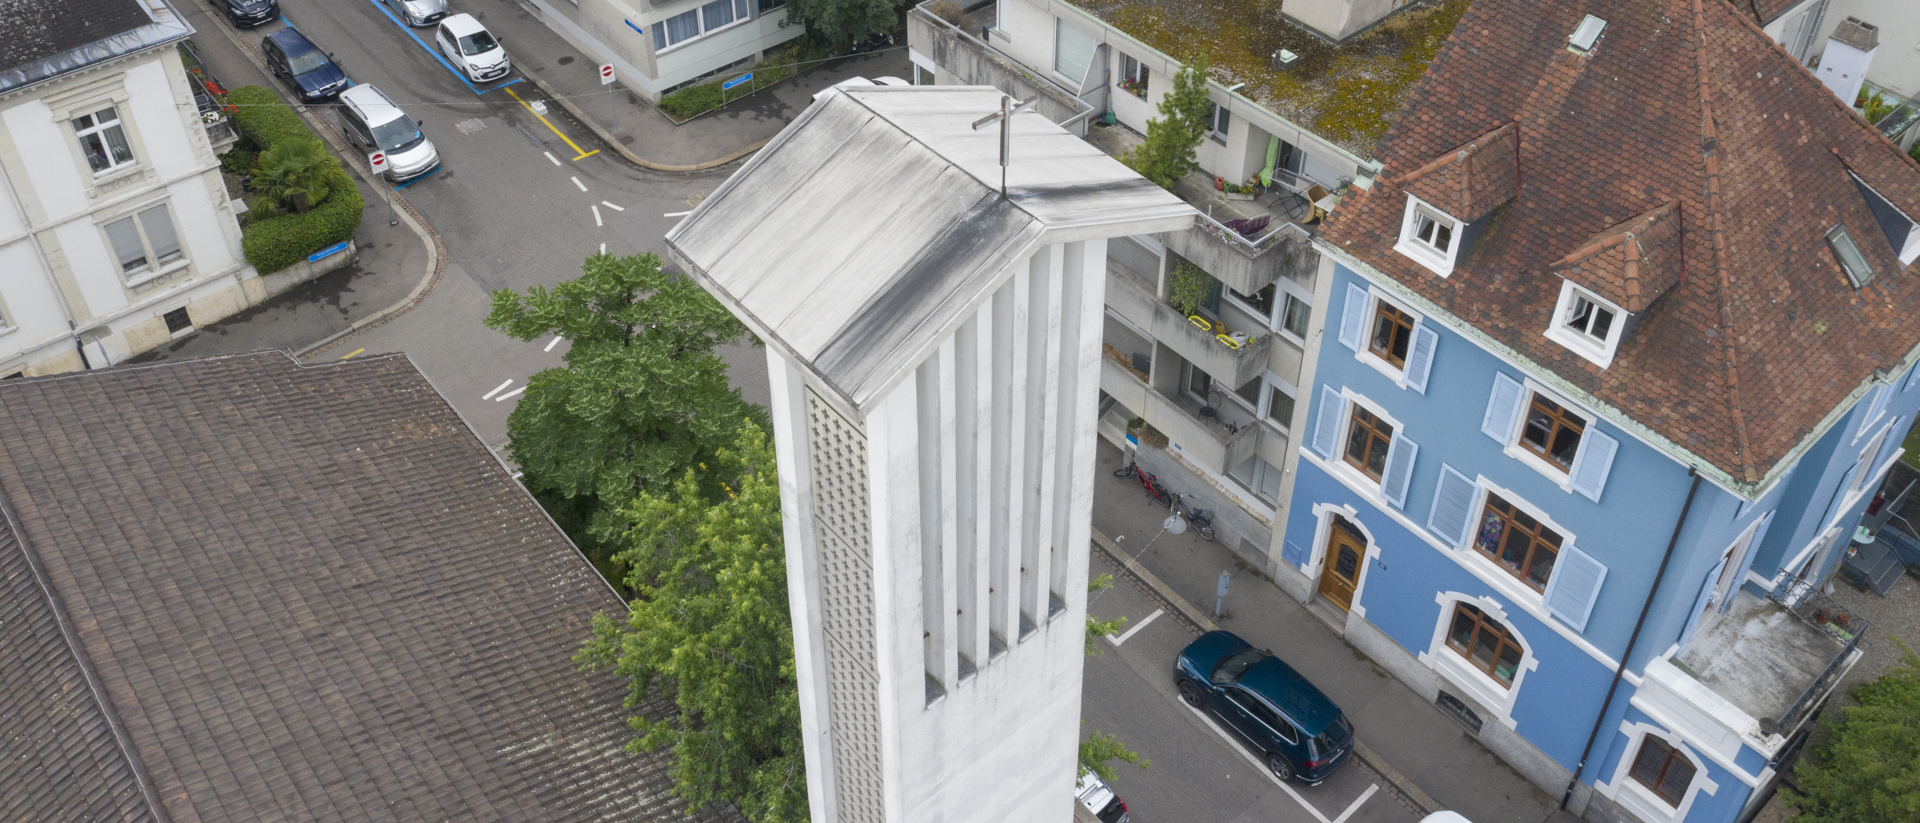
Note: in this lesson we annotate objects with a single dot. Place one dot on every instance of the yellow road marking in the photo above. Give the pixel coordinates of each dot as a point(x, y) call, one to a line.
point(351, 353)
point(582, 152)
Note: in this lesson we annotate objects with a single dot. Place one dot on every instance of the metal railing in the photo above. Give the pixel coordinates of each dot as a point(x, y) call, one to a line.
point(1084, 109)
point(1805, 601)
point(1256, 245)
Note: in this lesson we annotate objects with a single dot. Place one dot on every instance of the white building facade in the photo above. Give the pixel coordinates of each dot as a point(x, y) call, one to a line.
point(116, 232)
point(934, 349)
point(656, 46)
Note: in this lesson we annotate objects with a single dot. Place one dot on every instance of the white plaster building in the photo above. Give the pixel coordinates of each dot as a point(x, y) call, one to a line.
point(934, 351)
point(116, 233)
point(656, 46)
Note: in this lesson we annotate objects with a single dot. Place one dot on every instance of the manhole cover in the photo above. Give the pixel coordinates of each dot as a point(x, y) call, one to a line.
point(565, 60)
point(626, 140)
point(470, 126)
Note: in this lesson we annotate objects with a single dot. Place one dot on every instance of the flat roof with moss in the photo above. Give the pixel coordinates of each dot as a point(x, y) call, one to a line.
point(1347, 93)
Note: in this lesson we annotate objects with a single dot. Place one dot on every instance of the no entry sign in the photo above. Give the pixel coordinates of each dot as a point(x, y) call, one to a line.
point(606, 73)
point(377, 161)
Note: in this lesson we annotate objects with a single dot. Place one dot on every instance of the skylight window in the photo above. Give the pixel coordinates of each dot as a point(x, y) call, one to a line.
point(1587, 34)
point(1851, 260)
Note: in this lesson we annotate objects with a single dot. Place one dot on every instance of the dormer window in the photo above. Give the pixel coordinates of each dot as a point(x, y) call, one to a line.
point(1851, 260)
point(1430, 237)
point(1587, 324)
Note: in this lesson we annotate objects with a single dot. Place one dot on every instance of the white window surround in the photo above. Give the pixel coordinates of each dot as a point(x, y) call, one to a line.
point(1877, 399)
point(1640, 800)
point(1599, 352)
point(1479, 685)
point(1562, 478)
point(132, 213)
point(1365, 354)
point(1489, 577)
point(1323, 514)
point(1438, 262)
point(1284, 289)
point(1339, 461)
point(1499, 578)
point(700, 19)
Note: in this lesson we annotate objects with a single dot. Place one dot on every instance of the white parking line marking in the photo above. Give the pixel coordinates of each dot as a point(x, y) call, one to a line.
point(603, 248)
point(554, 342)
point(496, 389)
point(556, 160)
point(1116, 641)
point(1262, 767)
point(1371, 788)
point(583, 186)
point(611, 206)
point(524, 388)
point(596, 217)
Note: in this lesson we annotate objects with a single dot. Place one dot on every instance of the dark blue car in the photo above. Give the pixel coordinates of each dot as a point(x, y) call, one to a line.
point(310, 72)
point(1288, 723)
point(249, 13)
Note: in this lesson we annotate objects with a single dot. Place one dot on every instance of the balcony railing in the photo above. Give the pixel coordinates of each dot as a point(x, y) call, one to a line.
point(1813, 607)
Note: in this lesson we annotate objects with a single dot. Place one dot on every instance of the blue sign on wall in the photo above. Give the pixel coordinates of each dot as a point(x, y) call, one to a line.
point(328, 251)
point(728, 86)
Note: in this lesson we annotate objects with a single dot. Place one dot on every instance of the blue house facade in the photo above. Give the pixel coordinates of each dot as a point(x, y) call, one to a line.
point(1586, 437)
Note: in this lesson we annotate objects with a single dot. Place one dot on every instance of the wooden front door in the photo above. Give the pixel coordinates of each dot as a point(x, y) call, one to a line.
point(1341, 572)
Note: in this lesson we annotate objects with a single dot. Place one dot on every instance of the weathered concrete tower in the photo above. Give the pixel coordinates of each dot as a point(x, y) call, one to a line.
point(934, 353)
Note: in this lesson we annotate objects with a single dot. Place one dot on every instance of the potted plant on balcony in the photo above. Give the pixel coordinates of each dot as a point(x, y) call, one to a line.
point(1241, 191)
point(1134, 87)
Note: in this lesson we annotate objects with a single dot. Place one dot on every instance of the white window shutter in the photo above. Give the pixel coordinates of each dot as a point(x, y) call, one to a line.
point(1327, 427)
point(1593, 463)
point(1353, 318)
point(1420, 356)
point(1452, 507)
point(1746, 561)
point(1575, 586)
point(1399, 473)
point(1501, 408)
point(1911, 374)
point(1880, 397)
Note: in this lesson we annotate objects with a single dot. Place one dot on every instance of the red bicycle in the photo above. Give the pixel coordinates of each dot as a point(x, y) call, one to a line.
point(1148, 482)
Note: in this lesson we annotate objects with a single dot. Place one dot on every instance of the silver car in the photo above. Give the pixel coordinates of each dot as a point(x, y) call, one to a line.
point(374, 122)
point(419, 12)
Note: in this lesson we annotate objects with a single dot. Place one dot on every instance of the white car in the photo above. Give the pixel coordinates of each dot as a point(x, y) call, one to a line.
point(1095, 801)
point(471, 48)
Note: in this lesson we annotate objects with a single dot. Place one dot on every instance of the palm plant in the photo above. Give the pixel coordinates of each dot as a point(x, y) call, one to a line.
point(295, 173)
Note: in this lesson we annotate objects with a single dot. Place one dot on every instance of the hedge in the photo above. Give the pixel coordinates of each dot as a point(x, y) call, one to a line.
point(276, 242)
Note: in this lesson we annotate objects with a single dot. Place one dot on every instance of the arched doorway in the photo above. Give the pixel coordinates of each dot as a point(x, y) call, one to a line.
point(1340, 573)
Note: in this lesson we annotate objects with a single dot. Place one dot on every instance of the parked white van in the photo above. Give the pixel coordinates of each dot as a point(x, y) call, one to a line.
point(374, 122)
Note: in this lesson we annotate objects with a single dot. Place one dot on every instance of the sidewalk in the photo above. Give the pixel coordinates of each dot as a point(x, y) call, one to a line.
point(644, 135)
point(1407, 733)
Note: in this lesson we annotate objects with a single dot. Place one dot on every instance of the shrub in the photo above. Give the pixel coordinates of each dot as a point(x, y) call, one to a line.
point(294, 173)
point(275, 242)
point(1192, 287)
point(237, 160)
point(691, 100)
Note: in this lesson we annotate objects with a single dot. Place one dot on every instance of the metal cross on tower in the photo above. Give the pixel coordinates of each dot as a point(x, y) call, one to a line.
point(1005, 116)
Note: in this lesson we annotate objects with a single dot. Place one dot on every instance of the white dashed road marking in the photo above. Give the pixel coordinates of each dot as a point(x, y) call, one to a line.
point(524, 388)
point(596, 217)
point(496, 389)
point(611, 206)
point(556, 160)
point(554, 342)
point(603, 248)
point(583, 186)
point(1262, 768)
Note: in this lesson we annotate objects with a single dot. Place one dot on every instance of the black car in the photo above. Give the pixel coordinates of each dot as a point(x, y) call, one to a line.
point(310, 72)
point(1293, 728)
point(249, 13)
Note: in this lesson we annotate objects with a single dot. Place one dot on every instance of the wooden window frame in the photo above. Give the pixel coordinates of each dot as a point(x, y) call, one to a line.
point(1559, 418)
point(1511, 527)
point(1385, 313)
point(1672, 756)
point(1504, 639)
point(1378, 433)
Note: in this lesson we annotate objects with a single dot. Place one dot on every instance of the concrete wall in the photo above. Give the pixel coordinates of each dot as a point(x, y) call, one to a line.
point(1896, 64)
point(620, 32)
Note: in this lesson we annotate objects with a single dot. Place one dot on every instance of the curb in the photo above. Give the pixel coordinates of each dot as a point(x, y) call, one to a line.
point(436, 249)
point(1406, 788)
point(614, 143)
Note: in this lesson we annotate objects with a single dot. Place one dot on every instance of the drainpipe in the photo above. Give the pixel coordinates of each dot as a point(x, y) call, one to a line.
point(1632, 640)
point(33, 236)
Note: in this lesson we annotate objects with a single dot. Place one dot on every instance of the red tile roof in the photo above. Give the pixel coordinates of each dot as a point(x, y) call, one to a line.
point(1630, 263)
point(1471, 181)
point(1683, 102)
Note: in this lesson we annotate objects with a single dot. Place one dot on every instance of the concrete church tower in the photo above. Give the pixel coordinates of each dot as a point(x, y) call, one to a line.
point(934, 354)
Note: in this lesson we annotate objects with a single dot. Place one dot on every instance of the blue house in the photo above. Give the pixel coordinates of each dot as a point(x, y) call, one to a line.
point(1618, 349)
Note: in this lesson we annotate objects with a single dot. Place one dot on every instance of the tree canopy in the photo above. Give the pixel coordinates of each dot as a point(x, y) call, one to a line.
point(838, 23)
point(1168, 152)
point(709, 627)
point(642, 399)
point(1866, 768)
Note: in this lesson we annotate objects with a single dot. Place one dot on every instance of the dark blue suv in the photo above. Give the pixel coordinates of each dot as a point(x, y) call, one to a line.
point(310, 72)
point(1293, 728)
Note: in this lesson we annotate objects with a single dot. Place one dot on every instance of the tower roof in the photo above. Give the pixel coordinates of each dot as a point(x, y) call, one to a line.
point(857, 238)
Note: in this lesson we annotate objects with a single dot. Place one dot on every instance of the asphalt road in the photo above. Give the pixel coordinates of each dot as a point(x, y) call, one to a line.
point(517, 205)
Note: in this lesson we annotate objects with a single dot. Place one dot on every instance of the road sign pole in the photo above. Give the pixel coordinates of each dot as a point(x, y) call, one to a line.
point(1220, 595)
point(377, 162)
point(613, 110)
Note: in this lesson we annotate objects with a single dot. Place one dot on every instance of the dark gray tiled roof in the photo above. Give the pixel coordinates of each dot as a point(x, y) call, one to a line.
point(311, 594)
point(38, 29)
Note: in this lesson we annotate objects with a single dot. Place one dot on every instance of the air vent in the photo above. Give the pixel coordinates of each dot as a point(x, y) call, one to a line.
point(1586, 35)
point(1283, 60)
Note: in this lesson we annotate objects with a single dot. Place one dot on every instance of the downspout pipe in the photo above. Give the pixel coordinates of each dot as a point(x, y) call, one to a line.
point(1619, 672)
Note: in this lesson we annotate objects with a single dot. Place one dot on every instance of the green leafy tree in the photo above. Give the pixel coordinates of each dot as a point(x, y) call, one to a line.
point(1097, 627)
point(642, 399)
point(1168, 153)
point(295, 173)
point(1100, 749)
point(709, 629)
point(838, 23)
point(1867, 767)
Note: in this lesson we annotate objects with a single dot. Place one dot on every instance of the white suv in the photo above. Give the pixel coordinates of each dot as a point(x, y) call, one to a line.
point(373, 121)
point(472, 49)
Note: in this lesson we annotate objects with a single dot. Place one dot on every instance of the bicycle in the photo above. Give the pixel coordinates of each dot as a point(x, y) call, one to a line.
point(1201, 519)
point(1148, 482)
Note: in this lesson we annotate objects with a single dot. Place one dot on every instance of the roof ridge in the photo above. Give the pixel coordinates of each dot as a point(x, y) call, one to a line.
point(122, 740)
point(1716, 230)
point(1457, 154)
point(1608, 237)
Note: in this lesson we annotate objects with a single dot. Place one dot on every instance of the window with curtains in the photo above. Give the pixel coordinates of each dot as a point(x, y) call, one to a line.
point(1485, 642)
point(1517, 542)
point(143, 242)
point(712, 17)
point(1663, 769)
point(102, 140)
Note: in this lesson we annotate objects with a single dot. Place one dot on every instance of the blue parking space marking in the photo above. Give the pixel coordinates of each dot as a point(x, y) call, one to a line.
point(435, 53)
point(431, 172)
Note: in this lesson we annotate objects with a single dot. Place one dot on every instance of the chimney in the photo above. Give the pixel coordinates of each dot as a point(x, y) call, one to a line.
point(1849, 53)
point(1283, 60)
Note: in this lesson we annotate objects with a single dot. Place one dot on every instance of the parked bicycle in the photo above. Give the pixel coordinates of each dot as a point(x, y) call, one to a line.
point(1148, 482)
point(1200, 519)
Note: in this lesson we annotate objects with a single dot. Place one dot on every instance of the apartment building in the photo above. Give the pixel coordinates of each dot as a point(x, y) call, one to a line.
point(1614, 371)
point(1206, 395)
point(660, 45)
point(116, 232)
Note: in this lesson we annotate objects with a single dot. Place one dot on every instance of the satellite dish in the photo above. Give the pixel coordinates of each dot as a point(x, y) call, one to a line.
point(1175, 524)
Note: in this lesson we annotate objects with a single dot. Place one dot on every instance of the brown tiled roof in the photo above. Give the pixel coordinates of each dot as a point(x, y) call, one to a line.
point(310, 593)
point(1470, 181)
point(1681, 101)
point(1630, 263)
